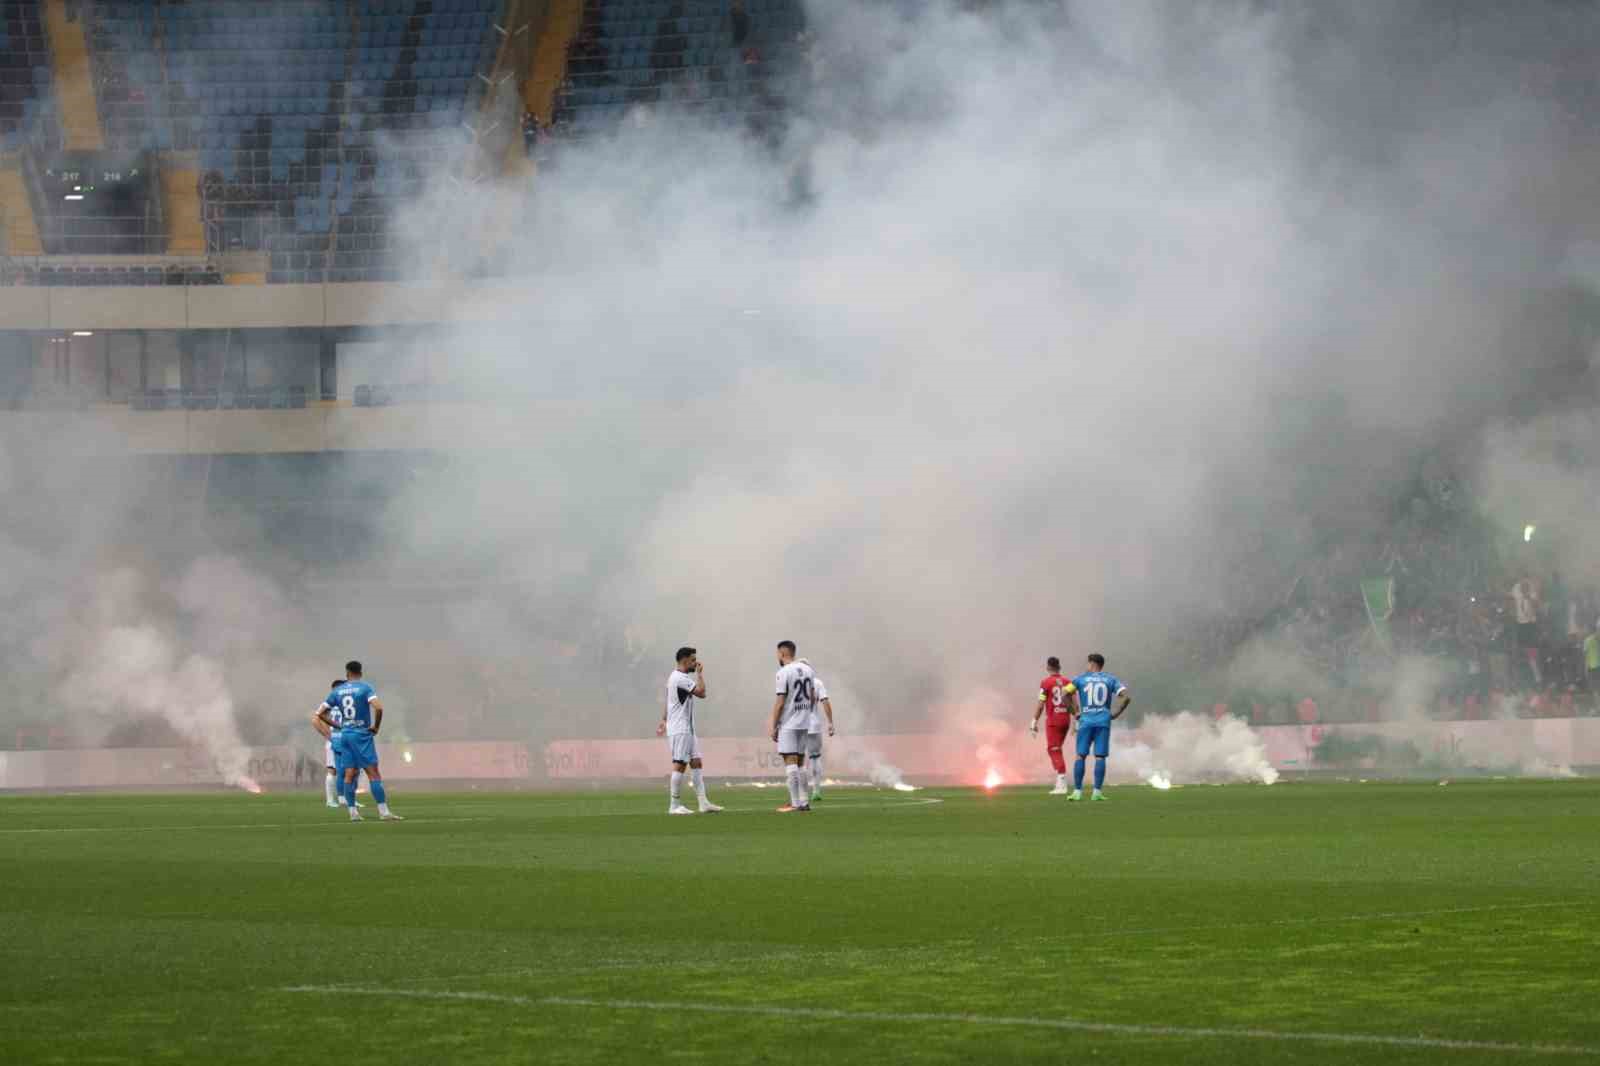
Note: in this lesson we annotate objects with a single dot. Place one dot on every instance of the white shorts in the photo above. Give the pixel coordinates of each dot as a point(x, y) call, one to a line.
point(792, 741)
point(685, 746)
point(813, 745)
point(327, 754)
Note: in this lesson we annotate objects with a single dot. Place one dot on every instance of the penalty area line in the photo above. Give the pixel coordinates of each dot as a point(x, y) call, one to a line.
point(990, 1020)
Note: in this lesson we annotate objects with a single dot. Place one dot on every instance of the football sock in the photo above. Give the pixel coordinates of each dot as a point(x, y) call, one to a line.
point(327, 787)
point(350, 792)
point(676, 787)
point(1099, 773)
point(792, 774)
point(816, 773)
point(699, 782)
point(800, 790)
point(378, 793)
point(1058, 760)
point(1077, 774)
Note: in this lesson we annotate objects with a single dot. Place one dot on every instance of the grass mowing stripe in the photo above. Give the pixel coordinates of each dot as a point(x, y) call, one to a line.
point(235, 825)
point(887, 804)
point(1066, 1024)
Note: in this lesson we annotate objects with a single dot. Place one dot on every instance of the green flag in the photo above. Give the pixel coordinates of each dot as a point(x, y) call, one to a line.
point(1378, 592)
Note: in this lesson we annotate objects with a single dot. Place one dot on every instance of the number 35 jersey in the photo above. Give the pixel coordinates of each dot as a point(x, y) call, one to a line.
point(797, 684)
point(1096, 690)
point(350, 706)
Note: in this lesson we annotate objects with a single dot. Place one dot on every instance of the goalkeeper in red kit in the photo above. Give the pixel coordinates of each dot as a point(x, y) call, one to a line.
point(1059, 698)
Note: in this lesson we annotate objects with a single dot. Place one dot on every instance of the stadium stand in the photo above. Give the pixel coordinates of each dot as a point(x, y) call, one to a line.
point(684, 54)
point(25, 72)
point(283, 136)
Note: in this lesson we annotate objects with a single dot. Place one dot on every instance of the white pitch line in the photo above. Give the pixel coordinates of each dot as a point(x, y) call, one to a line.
point(235, 825)
point(997, 1021)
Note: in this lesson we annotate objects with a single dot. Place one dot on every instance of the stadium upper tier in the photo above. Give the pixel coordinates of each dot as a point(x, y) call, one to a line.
point(308, 121)
point(24, 71)
point(286, 135)
point(692, 54)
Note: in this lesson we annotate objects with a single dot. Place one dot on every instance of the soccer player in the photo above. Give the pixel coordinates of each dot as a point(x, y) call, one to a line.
point(791, 721)
point(1096, 691)
point(332, 753)
point(685, 684)
point(1059, 697)
point(360, 719)
point(813, 753)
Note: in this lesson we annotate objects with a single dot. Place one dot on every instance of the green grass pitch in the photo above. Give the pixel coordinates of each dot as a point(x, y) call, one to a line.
point(1302, 922)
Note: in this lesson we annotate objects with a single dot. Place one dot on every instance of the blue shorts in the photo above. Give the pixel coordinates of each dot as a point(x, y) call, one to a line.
point(360, 750)
point(1097, 735)
point(337, 742)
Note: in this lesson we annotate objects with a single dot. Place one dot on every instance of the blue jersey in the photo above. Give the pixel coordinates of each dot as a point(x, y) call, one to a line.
point(1096, 690)
point(350, 706)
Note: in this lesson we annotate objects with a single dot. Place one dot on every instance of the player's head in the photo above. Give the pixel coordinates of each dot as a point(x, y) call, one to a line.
point(1097, 661)
point(1053, 665)
point(352, 669)
point(686, 658)
point(337, 682)
point(786, 651)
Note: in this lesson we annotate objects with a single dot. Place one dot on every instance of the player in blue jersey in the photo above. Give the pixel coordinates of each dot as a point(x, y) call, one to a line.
point(1097, 692)
point(332, 752)
point(360, 717)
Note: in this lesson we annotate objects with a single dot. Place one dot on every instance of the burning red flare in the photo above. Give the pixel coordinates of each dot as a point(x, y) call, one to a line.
point(249, 786)
point(992, 780)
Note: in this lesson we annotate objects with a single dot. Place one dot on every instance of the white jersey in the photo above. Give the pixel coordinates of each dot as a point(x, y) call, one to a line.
point(680, 702)
point(797, 684)
point(820, 692)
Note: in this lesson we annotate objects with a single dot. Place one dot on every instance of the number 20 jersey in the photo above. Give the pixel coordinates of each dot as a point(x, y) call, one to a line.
point(796, 683)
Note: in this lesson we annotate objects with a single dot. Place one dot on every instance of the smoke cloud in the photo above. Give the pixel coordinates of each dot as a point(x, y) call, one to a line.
point(1039, 329)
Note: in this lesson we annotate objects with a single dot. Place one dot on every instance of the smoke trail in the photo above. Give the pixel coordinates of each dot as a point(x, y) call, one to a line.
point(1187, 748)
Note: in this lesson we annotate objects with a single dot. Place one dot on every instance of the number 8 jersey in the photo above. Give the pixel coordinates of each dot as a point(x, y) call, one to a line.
point(1096, 690)
point(351, 706)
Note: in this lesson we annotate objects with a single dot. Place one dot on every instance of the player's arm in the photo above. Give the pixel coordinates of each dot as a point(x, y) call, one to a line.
point(377, 713)
point(1123, 699)
point(661, 726)
point(700, 681)
point(320, 724)
point(1038, 709)
point(777, 715)
point(827, 709)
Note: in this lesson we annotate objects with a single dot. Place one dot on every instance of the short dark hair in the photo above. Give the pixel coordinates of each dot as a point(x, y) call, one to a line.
point(337, 682)
point(353, 667)
point(1098, 660)
point(684, 652)
point(788, 646)
point(1053, 663)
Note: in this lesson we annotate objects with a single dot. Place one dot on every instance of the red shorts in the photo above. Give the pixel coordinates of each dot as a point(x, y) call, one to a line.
point(1056, 728)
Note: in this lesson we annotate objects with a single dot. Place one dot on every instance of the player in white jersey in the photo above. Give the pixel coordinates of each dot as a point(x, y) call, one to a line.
point(813, 761)
point(684, 685)
point(791, 721)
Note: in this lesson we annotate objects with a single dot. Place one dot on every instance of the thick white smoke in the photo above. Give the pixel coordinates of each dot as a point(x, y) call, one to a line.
point(1084, 320)
point(1187, 748)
